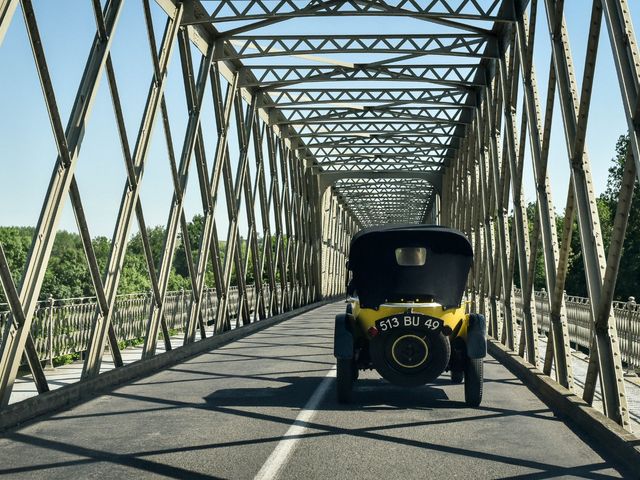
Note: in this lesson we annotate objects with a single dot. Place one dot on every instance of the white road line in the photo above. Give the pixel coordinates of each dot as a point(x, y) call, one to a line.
point(279, 457)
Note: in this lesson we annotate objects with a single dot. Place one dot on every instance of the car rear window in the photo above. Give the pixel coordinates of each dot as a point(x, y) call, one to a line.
point(411, 256)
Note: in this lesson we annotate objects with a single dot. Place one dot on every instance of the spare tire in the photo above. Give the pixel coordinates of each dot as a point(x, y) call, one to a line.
point(410, 357)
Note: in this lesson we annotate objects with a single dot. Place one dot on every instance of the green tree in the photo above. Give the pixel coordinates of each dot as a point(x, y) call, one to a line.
point(576, 282)
point(539, 278)
point(628, 282)
point(629, 273)
point(67, 273)
point(16, 242)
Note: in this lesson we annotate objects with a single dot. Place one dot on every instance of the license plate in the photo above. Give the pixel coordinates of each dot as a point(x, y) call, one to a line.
point(409, 320)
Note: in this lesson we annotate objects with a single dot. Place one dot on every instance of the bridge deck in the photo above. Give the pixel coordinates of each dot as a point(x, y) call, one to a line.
point(227, 413)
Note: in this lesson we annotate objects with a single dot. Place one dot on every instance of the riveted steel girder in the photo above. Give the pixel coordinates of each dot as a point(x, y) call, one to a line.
point(330, 115)
point(298, 98)
point(465, 45)
point(270, 77)
point(233, 11)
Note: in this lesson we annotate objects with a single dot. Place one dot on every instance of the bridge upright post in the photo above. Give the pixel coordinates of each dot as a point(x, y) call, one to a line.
point(311, 205)
point(473, 225)
point(333, 242)
point(289, 271)
point(630, 306)
point(447, 195)
point(508, 72)
point(483, 235)
point(503, 278)
point(274, 203)
point(459, 216)
point(445, 198)
point(464, 210)
point(50, 330)
point(315, 204)
point(267, 260)
point(327, 212)
point(466, 206)
point(299, 214)
point(544, 203)
point(317, 195)
point(323, 201)
point(489, 188)
point(252, 242)
point(457, 211)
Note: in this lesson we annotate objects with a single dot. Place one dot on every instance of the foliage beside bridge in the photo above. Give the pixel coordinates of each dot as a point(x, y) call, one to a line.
point(68, 276)
point(628, 280)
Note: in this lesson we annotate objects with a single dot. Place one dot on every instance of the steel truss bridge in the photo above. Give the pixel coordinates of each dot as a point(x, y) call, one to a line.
point(319, 135)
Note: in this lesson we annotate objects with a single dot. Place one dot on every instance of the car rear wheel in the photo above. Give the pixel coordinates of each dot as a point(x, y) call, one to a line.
point(473, 380)
point(344, 379)
point(410, 357)
point(457, 376)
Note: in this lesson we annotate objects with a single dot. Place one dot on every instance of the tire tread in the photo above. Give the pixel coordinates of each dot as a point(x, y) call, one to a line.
point(473, 381)
point(344, 380)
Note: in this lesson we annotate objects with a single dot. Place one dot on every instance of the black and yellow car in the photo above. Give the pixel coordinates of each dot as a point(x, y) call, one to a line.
point(405, 317)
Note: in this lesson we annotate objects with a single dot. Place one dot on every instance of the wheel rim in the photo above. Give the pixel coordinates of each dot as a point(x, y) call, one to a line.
point(409, 351)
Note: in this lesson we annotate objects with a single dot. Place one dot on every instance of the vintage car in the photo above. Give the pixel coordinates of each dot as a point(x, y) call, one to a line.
point(405, 316)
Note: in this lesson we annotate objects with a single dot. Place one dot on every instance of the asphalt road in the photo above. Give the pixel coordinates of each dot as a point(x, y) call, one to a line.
point(231, 413)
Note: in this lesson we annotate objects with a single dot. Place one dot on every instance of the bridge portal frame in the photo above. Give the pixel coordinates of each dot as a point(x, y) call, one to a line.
point(472, 159)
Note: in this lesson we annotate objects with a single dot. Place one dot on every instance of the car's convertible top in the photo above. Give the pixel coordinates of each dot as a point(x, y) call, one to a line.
point(409, 262)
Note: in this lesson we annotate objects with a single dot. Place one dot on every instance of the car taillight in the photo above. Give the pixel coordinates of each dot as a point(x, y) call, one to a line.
point(373, 331)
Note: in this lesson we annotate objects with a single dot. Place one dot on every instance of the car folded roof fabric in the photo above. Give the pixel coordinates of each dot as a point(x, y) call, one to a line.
point(379, 276)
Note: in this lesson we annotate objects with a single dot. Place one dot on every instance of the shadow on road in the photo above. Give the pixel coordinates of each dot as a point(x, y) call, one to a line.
point(368, 394)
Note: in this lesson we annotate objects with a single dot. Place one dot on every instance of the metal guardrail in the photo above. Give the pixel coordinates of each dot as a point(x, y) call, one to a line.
point(63, 326)
point(581, 327)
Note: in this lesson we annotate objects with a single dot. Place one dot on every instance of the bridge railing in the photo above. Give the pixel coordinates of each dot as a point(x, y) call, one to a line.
point(581, 326)
point(63, 326)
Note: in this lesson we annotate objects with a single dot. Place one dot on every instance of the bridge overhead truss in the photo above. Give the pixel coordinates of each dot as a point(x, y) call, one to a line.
point(337, 145)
